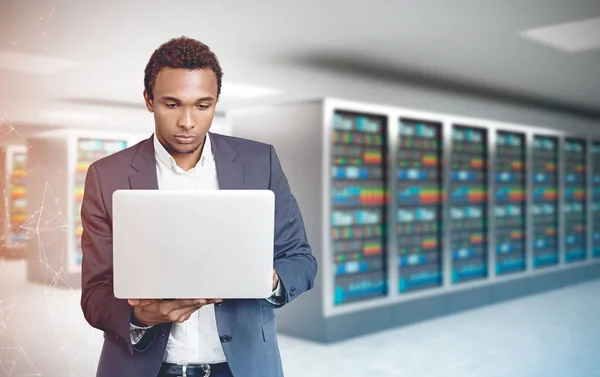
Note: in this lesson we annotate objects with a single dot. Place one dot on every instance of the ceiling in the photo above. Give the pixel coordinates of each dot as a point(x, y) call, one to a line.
point(305, 49)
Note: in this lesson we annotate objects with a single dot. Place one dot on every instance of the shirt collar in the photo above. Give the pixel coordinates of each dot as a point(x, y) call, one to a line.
point(165, 157)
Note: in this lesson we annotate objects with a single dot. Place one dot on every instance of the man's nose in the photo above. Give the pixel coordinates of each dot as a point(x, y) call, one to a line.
point(187, 120)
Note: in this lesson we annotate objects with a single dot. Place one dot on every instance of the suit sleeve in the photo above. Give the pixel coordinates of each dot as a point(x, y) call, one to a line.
point(293, 259)
point(101, 308)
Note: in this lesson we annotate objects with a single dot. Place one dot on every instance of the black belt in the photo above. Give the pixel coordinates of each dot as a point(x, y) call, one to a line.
point(197, 370)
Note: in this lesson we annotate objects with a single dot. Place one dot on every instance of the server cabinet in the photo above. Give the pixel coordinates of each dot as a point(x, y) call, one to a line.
point(414, 214)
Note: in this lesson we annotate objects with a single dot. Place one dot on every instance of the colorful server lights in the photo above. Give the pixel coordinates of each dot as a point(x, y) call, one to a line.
point(17, 201)
point(468, 204)
point(88, 151)
point(575, 195)
point(596, 199)
point(509, 209)
point(359, 200)
point(419, 189)
point(545, 201)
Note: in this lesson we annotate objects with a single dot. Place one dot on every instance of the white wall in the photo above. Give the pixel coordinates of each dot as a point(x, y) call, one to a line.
point(446, 101)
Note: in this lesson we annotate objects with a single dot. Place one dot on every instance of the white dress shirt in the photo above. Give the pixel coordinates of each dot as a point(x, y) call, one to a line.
point(195, 340)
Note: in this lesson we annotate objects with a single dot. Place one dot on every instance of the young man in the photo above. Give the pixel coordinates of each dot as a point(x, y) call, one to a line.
point(200, 337)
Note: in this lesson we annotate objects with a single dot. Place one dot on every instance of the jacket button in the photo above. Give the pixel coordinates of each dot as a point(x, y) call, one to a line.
point(226, 338)
point(293, 291)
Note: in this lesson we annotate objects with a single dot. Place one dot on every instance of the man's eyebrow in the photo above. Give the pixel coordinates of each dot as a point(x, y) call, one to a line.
point(169, 98)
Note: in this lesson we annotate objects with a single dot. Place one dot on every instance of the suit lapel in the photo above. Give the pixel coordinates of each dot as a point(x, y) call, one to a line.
point(144, 164)
point(230, 171)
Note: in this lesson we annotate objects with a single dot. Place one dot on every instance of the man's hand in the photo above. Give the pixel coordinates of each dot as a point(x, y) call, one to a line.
point(153, 312)
point(275, 279)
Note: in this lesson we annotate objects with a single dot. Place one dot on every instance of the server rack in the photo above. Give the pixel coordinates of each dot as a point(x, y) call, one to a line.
point(510, 208)
point(358, 217)
point(473, 211)
point(419, 208)
point(14, 234)
point(59, 163)
point(594, 198)
point(545, 197)
point(468, 196)
point(575, 199)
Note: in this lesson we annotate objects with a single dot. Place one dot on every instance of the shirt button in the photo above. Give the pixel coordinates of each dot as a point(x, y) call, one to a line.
point(226, 338)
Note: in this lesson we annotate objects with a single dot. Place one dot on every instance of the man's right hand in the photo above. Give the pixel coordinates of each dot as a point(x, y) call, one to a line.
point(153, 312)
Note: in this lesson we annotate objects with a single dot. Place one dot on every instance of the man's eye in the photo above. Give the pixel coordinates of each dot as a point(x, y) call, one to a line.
point(203, 107)
point(172, 105)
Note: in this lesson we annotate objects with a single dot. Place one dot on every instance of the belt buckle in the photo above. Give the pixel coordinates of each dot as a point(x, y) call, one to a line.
point(206, 370)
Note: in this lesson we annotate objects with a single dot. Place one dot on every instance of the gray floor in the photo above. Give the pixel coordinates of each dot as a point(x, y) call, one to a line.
point(43, 333)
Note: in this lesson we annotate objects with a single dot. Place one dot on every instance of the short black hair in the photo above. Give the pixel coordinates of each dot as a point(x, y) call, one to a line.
point(182, 52)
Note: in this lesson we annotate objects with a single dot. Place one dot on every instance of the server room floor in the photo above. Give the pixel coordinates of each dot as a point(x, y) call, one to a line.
point(551, 334)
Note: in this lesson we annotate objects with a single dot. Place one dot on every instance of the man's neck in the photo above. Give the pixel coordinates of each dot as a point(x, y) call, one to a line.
point(186, 161)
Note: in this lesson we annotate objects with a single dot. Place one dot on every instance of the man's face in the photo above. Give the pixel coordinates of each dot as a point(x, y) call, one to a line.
point(183, 106)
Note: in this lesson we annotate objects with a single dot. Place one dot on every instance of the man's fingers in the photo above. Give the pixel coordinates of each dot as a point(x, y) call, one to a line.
point(166, 307)
point(176, 304)
point(184, 318)
point(185, 315)
point(182, 315)
point(190, 302)
point(141, 302)
point(174, 310)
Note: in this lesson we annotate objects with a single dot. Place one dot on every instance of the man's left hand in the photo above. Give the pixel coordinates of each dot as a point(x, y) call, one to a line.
point(275, 279)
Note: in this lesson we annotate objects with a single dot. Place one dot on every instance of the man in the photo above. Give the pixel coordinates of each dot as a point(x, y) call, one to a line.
point(199, 337)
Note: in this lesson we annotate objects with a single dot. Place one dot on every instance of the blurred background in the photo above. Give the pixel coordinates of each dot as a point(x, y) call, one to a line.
point(445, 156)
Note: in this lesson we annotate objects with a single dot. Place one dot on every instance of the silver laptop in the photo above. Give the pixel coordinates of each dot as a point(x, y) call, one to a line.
point(193, 244)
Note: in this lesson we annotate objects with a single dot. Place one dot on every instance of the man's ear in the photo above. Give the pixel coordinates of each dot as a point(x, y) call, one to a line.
point(148, 101)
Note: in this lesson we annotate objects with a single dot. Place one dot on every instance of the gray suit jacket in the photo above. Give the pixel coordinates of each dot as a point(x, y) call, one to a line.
point(246, 327)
